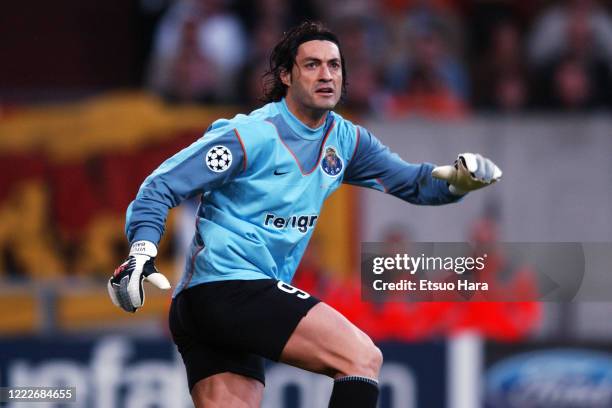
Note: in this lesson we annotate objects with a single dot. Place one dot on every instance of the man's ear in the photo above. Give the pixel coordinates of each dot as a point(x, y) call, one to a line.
point(285, 77)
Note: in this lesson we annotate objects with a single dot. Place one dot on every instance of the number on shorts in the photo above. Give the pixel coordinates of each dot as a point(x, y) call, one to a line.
point(285, 287)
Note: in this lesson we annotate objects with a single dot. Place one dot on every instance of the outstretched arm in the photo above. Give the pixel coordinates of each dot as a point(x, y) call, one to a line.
point(373, 165)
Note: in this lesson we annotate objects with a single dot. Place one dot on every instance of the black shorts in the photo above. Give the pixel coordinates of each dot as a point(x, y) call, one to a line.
point(228, 326)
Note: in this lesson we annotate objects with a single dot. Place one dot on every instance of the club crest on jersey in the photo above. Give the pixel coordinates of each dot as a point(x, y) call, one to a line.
point(218, 159)
point(331, 164)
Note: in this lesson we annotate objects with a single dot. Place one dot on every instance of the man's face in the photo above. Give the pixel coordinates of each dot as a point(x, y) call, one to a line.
point(315, 81)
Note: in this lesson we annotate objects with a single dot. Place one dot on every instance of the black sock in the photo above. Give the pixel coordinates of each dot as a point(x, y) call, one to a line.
point(354, 392)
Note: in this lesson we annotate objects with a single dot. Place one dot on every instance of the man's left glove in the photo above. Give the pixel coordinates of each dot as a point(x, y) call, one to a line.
point(470, 172)
point(125, 286)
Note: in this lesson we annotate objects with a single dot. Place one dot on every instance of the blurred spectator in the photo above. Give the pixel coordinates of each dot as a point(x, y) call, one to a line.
point(577, 85)
point(198, 51)
point(424, 75)
point(481, 18)
point(572, 71)
point(428, 87)
point(251, 83)
point(263, 40)
point(362, 76)
point(564, 27)
point(507, 321)
point(403, 16)
point(397, 238)
point(501, 71)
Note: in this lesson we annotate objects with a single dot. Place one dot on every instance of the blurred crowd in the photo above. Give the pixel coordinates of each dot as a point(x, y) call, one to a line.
point(402, 316)
point(441, 58)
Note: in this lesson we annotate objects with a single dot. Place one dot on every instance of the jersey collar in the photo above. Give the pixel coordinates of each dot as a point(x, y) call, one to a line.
point(300, 128)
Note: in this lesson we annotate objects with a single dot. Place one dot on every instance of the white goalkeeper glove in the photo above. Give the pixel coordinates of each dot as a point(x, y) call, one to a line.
point(125, 287)
point(470, 172)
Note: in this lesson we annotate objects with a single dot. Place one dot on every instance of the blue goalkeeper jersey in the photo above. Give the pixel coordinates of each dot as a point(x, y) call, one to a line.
point(263, 178)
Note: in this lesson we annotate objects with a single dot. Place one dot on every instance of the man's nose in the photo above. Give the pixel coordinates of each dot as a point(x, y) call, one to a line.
point(325, 73)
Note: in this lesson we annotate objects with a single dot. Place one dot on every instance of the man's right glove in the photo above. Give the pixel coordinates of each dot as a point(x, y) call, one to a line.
point(470, 172)
point(125, 286)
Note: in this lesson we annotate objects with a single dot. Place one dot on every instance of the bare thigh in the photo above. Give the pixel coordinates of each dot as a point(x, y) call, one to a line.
point(227, 390)
point(328, 343)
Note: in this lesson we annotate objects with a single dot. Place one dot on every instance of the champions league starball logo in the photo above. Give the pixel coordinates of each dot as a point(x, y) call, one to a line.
point(218, 159)
point(332, 163)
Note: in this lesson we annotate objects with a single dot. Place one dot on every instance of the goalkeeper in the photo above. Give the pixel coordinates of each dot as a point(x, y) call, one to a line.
point(263, 178)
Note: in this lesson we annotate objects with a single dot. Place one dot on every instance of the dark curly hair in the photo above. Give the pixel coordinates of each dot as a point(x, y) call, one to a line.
point(283, 55)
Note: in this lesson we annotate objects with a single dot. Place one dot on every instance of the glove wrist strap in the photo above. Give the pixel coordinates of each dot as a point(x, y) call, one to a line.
point(144, 248)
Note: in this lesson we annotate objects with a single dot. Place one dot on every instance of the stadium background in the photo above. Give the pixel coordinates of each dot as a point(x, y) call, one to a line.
point(93, 96)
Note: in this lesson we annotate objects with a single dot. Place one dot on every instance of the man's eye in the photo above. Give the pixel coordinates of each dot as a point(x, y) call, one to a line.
point(335, 65)
point(311, 65)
